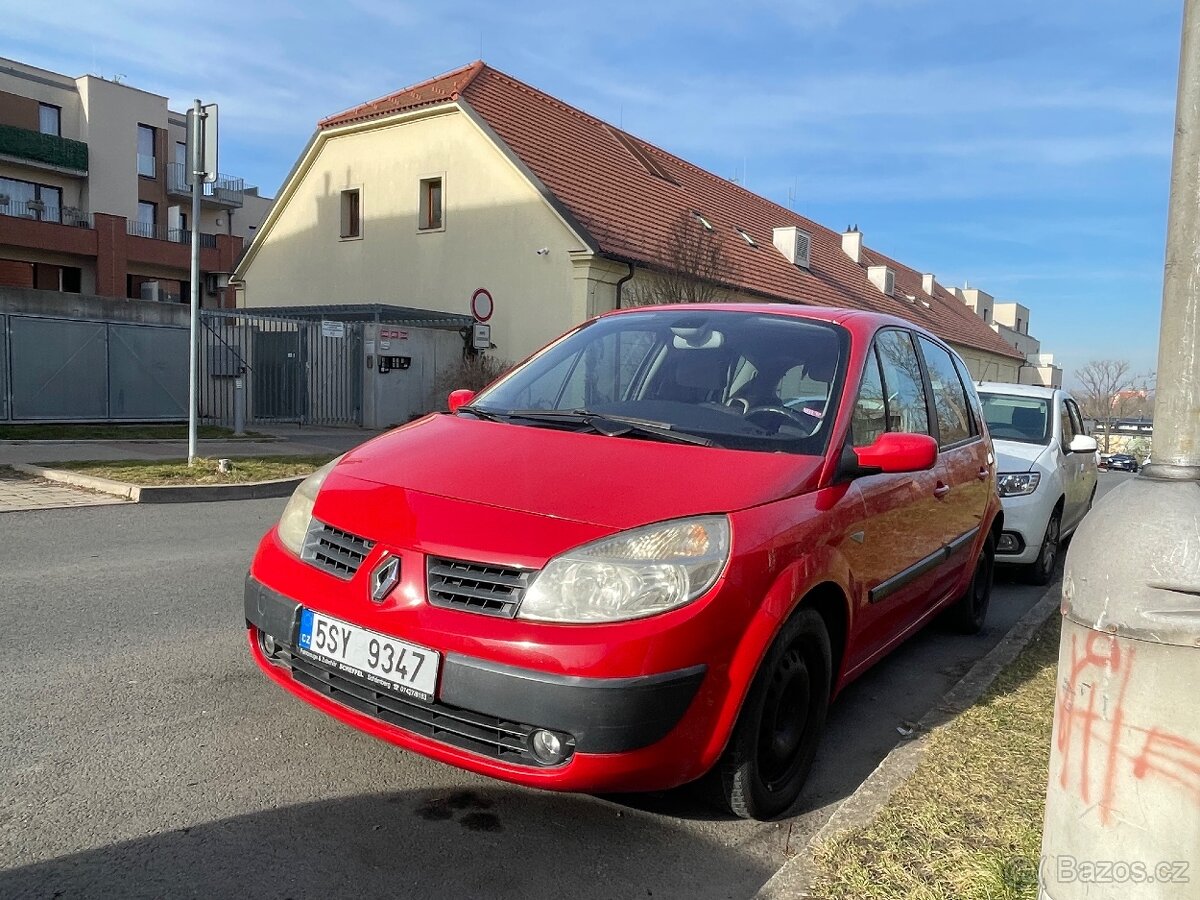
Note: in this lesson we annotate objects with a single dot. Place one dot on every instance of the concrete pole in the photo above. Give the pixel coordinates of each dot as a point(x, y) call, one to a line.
point(1177, 405)
point(1123, 801)
point(195, 143)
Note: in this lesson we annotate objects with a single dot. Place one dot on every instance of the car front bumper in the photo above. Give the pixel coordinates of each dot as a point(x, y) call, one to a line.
point(631, 733)
point(1025, 521)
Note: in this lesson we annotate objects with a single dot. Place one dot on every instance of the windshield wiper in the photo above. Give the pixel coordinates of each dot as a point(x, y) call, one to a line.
point(485, 414)
point(597, 421)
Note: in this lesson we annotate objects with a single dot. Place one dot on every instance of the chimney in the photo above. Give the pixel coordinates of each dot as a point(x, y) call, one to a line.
point(852, 243)
point(793, 243)
point(927, 282)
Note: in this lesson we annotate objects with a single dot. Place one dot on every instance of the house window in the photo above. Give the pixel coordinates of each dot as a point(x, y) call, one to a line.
point(351, 214)
point(746, 237)
point(49, 119)
point(702, 220)
point(27, 200)
point(147, 164)
point(147, 220)
point(430, 204)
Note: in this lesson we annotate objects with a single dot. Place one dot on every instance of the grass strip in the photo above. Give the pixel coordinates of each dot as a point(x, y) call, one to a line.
point(968, 824)
point(177, 471)
point(104, 432)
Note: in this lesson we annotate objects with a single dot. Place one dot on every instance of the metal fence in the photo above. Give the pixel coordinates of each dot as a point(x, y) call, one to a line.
point(291, 370)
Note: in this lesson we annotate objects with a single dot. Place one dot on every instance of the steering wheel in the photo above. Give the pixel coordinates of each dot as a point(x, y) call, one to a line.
point(808, 424)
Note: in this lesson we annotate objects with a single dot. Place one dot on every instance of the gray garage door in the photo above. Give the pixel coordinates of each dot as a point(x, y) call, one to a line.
point(67, 369)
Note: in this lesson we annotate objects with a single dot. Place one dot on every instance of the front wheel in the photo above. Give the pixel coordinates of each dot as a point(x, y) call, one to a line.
point(776, 736)
point(1041, 570)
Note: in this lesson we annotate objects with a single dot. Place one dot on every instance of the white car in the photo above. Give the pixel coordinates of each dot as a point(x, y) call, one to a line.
point(1046, 471)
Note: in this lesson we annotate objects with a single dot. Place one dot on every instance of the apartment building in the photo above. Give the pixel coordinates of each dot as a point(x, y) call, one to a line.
point(93, 193)
point(1010, 320)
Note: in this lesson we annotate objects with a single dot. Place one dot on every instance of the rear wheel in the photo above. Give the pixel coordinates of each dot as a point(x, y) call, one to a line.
point(776, 736)
point(969, 612)
point(1041, 570)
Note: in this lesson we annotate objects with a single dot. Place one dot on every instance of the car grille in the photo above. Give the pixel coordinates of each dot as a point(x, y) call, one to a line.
point(476, 587)
point(485, 735)
point(338, 552)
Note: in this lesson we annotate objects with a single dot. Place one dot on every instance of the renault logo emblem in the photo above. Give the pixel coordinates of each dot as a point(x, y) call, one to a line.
point(385, 577)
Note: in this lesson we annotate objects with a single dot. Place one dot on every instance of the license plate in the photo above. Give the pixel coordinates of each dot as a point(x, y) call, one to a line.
point(375, 658)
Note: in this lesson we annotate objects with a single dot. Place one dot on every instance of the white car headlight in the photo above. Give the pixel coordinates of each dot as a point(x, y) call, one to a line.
point(1017, 484)
point(630, 575)
point(293, 524)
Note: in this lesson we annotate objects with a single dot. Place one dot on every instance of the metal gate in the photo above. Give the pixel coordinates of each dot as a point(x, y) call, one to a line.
point(60, 369)
point(289, 369)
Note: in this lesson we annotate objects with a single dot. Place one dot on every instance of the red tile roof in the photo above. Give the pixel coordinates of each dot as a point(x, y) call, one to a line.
point(630, 195)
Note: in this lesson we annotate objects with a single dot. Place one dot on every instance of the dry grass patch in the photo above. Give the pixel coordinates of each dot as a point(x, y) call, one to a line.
point(968, 825)
point(176, 471)
point(108, 432)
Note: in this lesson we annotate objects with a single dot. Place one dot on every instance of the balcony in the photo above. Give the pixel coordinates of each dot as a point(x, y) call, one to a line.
point(225, 191)
point(39, 212)
point(174, 235)
point(44, 149)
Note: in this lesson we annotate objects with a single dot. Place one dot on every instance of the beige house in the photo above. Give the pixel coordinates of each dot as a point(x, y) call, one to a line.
point(93, 196)
point(475, 193)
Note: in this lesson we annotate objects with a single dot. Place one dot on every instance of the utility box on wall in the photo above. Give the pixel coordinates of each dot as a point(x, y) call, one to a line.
point(401, 369)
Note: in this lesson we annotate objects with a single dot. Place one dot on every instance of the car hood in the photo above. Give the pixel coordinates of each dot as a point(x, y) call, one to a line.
point(612, 482)
point(1016, 456)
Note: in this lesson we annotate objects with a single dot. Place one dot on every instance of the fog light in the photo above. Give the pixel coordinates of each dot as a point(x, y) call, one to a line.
point(1008, 543)
point(269, 645)
point(547, 747)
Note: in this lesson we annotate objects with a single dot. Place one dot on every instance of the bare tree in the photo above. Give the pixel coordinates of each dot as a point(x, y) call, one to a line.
point(694, 267)
point(1101, 383)
point(474, 372)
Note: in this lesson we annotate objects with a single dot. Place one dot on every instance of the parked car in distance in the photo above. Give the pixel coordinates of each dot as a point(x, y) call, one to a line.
point(1047, 472)
point(653, 551)
point(1122, 462)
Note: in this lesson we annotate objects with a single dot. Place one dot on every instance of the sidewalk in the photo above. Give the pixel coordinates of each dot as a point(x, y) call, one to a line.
point(290, 440)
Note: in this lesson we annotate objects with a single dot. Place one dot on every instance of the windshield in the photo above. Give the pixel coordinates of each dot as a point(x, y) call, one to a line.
point(740, 380)
point(1014, 418)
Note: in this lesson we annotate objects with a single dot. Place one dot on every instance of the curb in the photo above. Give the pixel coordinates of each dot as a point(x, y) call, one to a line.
point(794, 879)
point(168, 493)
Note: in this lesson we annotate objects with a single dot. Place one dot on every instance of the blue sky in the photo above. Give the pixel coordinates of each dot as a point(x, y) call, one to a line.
point(1020, 147)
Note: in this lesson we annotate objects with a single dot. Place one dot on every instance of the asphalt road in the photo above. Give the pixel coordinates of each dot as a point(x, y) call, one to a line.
point(143, 755)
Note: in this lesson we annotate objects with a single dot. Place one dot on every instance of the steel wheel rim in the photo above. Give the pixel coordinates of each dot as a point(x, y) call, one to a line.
point(785, 720)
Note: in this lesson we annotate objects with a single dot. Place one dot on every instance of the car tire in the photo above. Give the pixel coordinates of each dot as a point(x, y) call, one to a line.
point(773, 744)
point(1041, 570)
point(968, 614)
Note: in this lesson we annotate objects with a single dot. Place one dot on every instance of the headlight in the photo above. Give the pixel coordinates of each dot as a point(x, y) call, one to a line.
point(630, 575)
point(1017, 484)
point(293, 524)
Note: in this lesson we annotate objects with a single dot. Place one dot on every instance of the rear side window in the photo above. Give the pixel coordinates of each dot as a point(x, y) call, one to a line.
point(949, 395)
point(904, 391)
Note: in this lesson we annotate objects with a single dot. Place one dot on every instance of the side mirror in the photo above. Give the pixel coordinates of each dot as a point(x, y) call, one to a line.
point(895, 452)
point(1081, 443)
point(459, 398)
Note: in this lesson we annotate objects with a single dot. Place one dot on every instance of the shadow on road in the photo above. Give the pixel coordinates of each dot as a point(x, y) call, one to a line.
point(494, 843)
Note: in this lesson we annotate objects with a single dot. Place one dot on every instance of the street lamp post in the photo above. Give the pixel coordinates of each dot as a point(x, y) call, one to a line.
point(1123, 801)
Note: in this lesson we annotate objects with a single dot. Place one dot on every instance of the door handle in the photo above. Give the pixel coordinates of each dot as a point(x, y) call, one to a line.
point(982, 474)
point(941, 490)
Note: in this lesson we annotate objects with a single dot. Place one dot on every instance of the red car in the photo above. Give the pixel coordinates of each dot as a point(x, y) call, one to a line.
point(654, 550)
